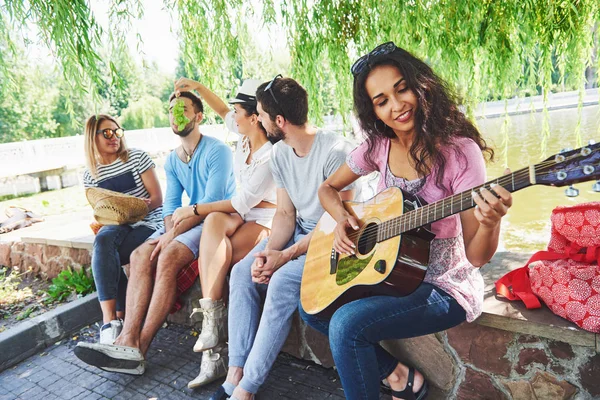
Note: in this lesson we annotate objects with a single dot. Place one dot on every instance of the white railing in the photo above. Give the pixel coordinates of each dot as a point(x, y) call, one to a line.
point(523, 105)
point(33, 156)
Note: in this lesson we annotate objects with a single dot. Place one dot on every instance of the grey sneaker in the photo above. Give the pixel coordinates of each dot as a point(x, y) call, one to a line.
point(213, 366)
point(110, 331)
point(214, 324)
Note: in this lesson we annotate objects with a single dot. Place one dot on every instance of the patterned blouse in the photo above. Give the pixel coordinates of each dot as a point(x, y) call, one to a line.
point(449, 269)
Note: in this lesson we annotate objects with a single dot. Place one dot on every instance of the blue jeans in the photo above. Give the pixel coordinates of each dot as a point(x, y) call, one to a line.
point(255, 340)
point(355, 329)
point(112, 247)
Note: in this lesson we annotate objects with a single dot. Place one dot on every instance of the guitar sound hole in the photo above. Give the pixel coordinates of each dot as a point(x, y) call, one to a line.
point(368, 239)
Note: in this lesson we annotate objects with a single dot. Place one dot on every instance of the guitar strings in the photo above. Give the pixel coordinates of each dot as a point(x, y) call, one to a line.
point(405, 219)
point(455, 200)
point(519, 174)
point(451, 202)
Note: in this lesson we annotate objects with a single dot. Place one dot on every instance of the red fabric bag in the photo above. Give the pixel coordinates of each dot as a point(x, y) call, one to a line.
point(566, 276)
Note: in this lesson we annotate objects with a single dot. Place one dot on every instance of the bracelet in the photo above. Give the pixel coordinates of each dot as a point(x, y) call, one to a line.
point(194, 209)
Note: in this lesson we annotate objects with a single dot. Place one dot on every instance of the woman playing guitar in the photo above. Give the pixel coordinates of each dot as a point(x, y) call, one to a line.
point(418, 140)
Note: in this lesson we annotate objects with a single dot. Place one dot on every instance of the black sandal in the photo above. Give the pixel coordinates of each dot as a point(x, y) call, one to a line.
point(407, 393)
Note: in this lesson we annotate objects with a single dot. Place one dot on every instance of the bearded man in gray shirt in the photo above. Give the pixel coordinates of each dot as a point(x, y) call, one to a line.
point(300, 162)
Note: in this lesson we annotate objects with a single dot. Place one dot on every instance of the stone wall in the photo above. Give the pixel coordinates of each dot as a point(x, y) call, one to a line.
point(43, 260)
point(497, 364)
point(468, 362)
point(474, 362)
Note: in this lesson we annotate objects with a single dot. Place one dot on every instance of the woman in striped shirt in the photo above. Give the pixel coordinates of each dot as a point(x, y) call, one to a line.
point(111, 165)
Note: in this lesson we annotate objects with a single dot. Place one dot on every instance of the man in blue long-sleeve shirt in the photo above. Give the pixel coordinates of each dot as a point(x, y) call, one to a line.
point(202, 167)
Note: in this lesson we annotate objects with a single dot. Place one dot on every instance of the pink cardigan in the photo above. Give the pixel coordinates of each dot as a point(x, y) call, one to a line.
point(461, 173)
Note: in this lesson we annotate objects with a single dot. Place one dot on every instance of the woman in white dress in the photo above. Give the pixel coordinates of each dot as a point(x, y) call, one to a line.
point(231, 227)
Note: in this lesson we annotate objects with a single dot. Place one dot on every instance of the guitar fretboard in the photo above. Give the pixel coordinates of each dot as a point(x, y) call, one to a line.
point(448, 206)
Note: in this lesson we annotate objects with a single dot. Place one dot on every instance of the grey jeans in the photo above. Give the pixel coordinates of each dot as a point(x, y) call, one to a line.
point(255, 340)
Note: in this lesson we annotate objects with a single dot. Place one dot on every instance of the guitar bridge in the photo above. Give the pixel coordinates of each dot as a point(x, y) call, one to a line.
point(333, 261)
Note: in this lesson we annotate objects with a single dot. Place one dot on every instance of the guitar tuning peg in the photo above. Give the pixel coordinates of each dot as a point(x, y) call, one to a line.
point(596, 186)
point(565, 150)
point(591, 142)
point(571, 191)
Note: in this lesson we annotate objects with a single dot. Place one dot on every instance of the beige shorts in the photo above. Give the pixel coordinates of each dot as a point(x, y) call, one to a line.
point(262, 216)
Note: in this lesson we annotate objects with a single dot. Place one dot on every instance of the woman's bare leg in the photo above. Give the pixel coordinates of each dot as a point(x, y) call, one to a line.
point(109, 310)
point(245, 238)
point(215, 252)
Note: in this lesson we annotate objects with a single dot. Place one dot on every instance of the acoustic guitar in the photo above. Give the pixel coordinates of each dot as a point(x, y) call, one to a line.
point(392, 242)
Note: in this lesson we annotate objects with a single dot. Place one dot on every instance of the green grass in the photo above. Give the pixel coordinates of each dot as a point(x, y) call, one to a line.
point(12, 196)
point(11, 297)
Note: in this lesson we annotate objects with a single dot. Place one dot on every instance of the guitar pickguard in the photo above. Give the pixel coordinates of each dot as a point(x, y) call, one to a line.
point(348, 268)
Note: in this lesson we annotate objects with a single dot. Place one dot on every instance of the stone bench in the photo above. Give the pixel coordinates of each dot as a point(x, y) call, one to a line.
point(509, 352)
point(48, 247)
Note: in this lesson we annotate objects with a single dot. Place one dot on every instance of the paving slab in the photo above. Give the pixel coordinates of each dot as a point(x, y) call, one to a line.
point(56, 373)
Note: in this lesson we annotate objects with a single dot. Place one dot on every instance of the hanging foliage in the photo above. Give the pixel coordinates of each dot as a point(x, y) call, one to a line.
point(69, 30)
point(487, 49)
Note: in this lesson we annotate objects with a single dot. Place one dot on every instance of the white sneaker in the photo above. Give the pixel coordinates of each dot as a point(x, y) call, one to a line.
point(110, 356)
point(214, 324)
point(213, 366)
point(110, 331)
point(139, 370)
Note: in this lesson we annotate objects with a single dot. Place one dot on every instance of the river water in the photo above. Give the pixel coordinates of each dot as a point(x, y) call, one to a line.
point(526, 228)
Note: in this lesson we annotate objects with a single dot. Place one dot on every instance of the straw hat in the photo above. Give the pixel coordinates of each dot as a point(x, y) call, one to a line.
point(114, 208)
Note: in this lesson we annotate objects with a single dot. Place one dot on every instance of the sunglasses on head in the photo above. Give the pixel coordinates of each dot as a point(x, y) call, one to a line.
point(109, 133)
point(361, 64)
point(269, 88)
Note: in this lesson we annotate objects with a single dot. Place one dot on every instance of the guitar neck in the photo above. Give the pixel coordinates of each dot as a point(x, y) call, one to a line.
point(448, 206)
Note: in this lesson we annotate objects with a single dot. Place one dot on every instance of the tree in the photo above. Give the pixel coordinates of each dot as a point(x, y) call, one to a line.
point(486, 48)
point(147, 112)
point(26, 101)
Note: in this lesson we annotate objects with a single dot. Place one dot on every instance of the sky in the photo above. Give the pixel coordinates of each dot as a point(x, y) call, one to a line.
point(156, 28)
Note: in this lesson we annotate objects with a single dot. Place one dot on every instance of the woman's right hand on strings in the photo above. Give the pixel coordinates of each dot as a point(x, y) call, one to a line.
point(342, 243)
point(185, 85)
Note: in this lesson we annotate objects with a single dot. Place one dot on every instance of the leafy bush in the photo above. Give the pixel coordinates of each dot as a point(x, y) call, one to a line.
point(69, 282)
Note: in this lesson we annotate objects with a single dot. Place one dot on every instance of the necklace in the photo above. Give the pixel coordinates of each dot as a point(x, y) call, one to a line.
point(188, 157)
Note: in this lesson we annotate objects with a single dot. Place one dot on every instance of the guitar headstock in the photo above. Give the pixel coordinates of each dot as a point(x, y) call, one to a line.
point(569, 167)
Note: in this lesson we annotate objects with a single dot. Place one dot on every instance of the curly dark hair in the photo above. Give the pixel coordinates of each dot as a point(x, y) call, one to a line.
point(438, 119)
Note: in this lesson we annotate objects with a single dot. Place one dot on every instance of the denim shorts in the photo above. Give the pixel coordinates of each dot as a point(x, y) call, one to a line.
point(191, 238)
